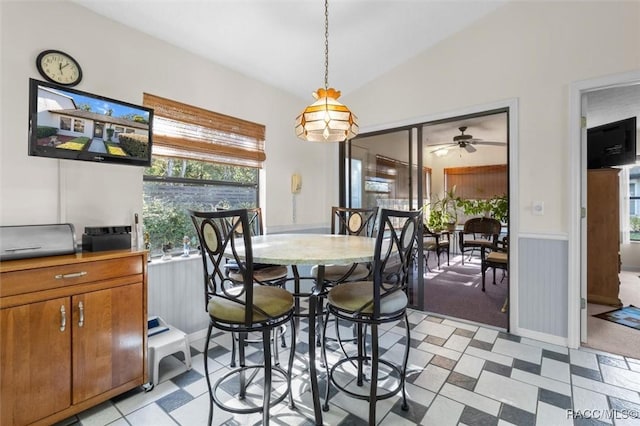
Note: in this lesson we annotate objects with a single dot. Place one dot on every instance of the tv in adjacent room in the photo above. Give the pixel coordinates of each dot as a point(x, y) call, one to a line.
point(612, 144)
point(74, 125)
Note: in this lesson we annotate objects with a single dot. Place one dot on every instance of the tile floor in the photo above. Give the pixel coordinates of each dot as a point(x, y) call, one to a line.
point(460, 374)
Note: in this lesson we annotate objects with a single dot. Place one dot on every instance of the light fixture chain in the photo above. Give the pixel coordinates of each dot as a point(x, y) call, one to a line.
point(326, 44)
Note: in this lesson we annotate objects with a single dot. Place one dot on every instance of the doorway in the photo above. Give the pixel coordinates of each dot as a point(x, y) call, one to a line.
point(584, 328)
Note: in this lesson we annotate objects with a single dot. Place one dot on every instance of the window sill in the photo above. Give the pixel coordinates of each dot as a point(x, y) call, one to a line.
point(156, 261)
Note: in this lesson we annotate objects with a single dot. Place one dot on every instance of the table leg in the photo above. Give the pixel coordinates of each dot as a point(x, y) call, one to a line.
point(313, 376)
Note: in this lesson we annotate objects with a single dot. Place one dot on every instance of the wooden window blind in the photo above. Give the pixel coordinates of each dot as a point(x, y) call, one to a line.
point(185, 131)
point(477, 182)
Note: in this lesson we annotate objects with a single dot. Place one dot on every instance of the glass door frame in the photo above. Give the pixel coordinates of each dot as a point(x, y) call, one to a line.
point(344, 177)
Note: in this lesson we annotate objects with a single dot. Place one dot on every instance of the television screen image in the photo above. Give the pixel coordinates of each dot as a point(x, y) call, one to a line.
point(71, 124)
point(612, 144)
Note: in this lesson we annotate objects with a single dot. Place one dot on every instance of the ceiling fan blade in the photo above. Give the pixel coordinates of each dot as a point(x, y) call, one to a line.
point(469, 148)
point(494, 143)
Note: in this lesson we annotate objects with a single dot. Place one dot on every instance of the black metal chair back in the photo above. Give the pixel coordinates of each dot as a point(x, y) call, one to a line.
point(393, 257)
point(217, 232)
point(353, 221)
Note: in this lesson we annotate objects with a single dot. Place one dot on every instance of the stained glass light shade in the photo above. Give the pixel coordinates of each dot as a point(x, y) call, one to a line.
point(326, 120)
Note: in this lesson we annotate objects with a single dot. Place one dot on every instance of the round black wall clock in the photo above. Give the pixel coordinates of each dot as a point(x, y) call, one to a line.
point(59, 67)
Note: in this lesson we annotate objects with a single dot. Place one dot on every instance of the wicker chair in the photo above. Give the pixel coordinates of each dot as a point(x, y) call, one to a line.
point(436, 242)
point(477, 233)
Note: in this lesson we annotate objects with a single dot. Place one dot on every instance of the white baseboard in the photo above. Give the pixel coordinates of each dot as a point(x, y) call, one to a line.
point(543, 337)
point(197, 335)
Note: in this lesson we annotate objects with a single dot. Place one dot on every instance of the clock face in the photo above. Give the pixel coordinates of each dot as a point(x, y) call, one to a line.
point(58, 67)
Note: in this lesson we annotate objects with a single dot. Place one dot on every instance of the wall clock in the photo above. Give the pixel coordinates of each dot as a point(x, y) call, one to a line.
point(59, 67)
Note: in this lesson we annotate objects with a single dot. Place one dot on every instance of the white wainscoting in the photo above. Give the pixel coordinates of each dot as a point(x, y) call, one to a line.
point(543, 285)
point(176, 293)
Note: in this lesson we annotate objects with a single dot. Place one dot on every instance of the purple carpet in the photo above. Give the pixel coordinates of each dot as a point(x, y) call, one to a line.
point(456, 291)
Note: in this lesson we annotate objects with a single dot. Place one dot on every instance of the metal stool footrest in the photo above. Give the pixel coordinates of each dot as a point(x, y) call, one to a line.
point(394, 371)
point(277, 370)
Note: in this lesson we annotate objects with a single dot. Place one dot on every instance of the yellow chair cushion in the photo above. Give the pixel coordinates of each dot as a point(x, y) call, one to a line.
point(275, 301)
point(350, 297)
point(497, 257)
point(271, 273)
point(336, 272)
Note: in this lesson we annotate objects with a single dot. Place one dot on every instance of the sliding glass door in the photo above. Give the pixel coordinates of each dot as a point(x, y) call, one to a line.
point(381, 170)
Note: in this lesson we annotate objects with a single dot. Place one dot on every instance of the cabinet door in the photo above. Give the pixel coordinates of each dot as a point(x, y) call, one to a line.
point(35, 358)
point(107, 340)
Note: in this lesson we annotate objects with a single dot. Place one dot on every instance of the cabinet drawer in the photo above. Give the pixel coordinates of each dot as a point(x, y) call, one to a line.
point(25, 281)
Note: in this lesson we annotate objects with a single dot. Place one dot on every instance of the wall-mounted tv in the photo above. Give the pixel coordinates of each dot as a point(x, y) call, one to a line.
point(74, 125)
point(612, 144)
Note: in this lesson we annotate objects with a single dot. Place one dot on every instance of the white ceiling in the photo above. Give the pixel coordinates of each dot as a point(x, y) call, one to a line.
point(281, 42)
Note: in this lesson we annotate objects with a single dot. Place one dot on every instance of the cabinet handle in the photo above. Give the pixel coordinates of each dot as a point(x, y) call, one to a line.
point(73, 275)
point(63, 318)
point(81, 309)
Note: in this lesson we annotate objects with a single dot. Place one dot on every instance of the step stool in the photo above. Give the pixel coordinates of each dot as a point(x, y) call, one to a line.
point(165, 340)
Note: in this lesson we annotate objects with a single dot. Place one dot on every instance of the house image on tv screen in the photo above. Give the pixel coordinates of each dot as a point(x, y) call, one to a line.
point(70, 121)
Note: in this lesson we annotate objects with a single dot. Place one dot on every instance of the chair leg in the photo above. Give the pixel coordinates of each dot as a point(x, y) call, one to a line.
point(241, 359)
point(283, 329)
point(403, 377)
point(206, 373)
point(361, 352)
point(276, 353)
point(373, 392)
point(266, 396)
point(233, 350)
point(483, 268)
point(292, 355)
point(494, 276)
point(325, 406)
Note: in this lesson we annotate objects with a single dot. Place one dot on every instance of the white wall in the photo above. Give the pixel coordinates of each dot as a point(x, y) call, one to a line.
point(39, 190)
point(526, 50)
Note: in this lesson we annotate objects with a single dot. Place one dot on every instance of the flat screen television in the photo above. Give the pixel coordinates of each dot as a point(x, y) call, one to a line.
point(612, 144)
point(74, 125)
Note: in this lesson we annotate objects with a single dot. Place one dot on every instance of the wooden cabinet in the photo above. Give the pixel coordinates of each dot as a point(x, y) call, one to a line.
point(72, 333)
point(603, 236)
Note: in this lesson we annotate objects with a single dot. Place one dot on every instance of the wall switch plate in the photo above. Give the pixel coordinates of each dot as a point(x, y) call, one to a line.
point(537, 208)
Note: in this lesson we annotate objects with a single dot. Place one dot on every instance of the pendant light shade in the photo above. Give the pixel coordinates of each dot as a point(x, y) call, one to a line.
point(326, 120)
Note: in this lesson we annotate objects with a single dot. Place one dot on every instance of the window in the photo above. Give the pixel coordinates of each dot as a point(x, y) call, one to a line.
point(65, 123)
point(477, 182)
point(194, 167)
point(78, 125)
point(173, 185)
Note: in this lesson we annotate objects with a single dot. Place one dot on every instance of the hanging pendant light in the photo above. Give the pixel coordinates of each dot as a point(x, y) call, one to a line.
point(326, 120)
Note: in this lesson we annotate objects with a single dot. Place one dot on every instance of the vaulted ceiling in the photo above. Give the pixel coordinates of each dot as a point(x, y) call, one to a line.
point(281, 42)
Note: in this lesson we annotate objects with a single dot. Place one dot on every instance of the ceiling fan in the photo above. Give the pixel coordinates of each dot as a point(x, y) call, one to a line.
point(465, 141)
